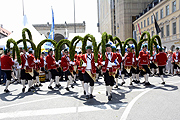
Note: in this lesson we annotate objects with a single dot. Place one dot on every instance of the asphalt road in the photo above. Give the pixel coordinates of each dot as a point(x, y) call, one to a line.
point(137, 102)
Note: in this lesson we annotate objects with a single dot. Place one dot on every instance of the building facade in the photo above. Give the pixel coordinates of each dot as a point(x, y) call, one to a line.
point(116, 16)
point(61, 30)
point(167, 14)
point(3, 32)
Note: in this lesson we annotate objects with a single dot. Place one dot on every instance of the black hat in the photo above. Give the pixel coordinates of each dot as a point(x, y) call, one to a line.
point(160, 49)
point(108, 45)
point(128, 46)
point(50, 50)
point(42, 52)
point(89, 47)
point(177, 48)
point(66, 49)
point(144, 46)
point(6, 51)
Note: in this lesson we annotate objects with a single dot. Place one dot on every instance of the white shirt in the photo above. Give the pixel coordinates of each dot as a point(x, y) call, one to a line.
point(177, 55)
point(88, 62)
point(26, 63)
point(109, 57)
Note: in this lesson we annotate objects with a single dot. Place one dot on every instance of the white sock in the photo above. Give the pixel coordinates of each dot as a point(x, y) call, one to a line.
point(119, 72)
point(145, 78)
point(122, 77)
point(23, 83)
point(70, 79)
point(68, 83)
point(91, 89)
point(137, 77)
point(153, 71)
point(74, 77)
point(57, 80)
point(162, 77)
point(86, 87)
point(175, 71)
point(116, 81)
point(82, 83)
point(34, 82)
point(97, 75)
point(29, 83)
point(7, 83)
point(133, 76)
point(51, 82)
point(131, 79)
point(111, 87)
point(37, 79)
point(108, 89)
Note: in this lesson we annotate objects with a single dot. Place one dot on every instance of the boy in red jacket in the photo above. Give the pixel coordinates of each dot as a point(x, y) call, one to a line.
point(161, 59)
point(6, 65)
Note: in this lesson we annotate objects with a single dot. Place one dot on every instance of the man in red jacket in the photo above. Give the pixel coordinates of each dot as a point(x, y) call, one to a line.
point(67, 66)
point(6, 65)
point(128, 62)
point(108, 70)
point(89, 71)
point(176, 60)
point(144, 61)
point(51, 65)
point(118, 60)
point(161, 59)
point(26, 70)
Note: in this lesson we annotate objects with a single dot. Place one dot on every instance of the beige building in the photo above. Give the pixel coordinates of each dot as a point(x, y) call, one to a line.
point(116, 16)
point(167, 14)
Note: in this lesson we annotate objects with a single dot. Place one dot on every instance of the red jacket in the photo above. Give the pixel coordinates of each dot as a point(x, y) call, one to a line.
point(51, 63)
point(128, 59)
point(65, 63)
point(93, 67)
point(161, 59)
point(174, 56)
point(41, 62)
point(119, 58)
point(31, 62)
point(113, 57)
point(6, 62)
point(144, 57)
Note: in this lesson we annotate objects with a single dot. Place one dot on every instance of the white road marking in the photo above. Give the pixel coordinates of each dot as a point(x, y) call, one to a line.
point(57, 111)
point(130, 105)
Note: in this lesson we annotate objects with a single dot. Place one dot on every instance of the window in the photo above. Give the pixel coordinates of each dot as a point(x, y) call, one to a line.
point(167, 30)
point(147, 21)
point(174, 28)
point(144, 23)
point(167, 10)
point(141, 25)
point(161, 13)
point(162, 32)
point(152, 33)
point(152, 19)
point(157, 16)
point(174, 6)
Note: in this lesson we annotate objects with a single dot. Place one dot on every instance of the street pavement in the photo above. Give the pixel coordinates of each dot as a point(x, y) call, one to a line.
point(137, 102)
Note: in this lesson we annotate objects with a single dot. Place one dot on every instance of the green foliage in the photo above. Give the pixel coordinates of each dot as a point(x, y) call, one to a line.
point(38, 50)
point(126, 42)
point(59, 47)
point(110, 38)
point(148, 38)
point(119, 43)
point(103, 45)
point(98, 47)
point(24, 37)
point(15, 48)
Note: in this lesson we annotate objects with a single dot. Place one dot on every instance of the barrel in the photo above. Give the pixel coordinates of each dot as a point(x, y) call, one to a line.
point(42, 76)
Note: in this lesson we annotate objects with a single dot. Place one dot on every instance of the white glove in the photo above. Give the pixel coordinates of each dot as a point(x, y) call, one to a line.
point(59, 61)
point(96, 64)
point(84, 65)
point(113, 64)
point(103, 63)
point(73, 63)
point(38, 61)
point(176, 60)
point(20, 67)
point(35, 61)
point(27, 53)
point(123, 58)
point(151, 58)
point(109, 64)
point(137, 59)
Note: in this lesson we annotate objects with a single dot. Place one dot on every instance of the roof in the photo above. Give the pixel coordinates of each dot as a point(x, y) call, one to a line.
point(4, 31)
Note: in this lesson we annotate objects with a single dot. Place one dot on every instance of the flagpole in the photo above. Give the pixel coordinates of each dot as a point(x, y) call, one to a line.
point(74, 19)
point(23, 6)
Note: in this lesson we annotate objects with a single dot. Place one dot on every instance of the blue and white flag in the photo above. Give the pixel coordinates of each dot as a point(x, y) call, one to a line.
point(51, 34)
